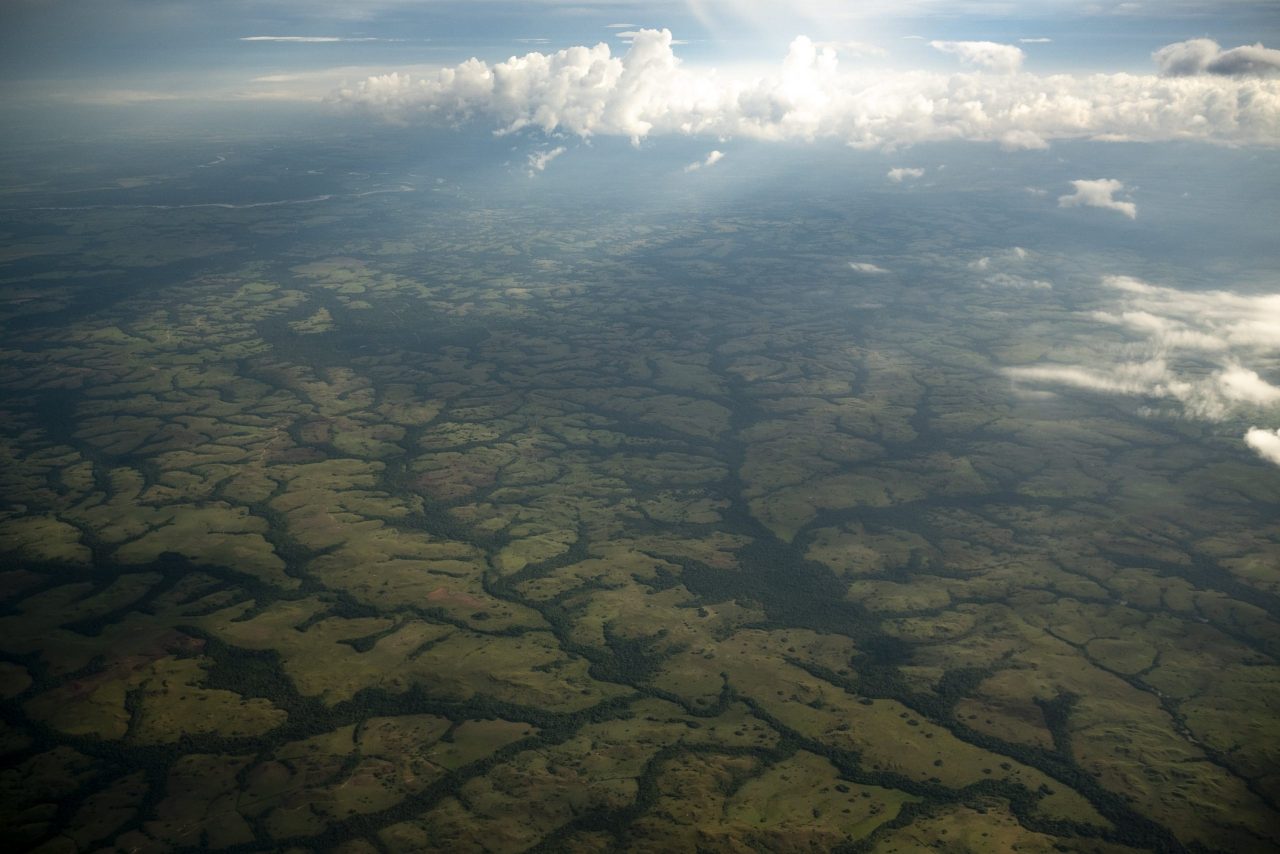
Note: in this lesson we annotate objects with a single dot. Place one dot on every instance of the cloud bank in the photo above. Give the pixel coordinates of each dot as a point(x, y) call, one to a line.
point(307, 39)
point(1099, 193)
point(1206, 56)
point(996, 57)
point(1208, 352)
point(590, 91)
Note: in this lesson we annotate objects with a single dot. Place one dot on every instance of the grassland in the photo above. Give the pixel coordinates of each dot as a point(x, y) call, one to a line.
point(486, 531)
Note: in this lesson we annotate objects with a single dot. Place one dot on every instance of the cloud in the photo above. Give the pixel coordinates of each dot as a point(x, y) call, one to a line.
point(1208, 352)
point(1206, 56)
point(898, 174)
point(1240, 384)
point(1015, 282)
point(997, 266)
point(711, 160)
point(120, 97)
point(1035, 41)
point(538, 160)
point(867, 268)
point(647, 91)
point(621, 26)
point(1016, 255)
point(1023, 140)
point(308, 39)
point(1265, 442)
point(1098, 194)
point(629, 37)
point(997, 57)
point(853, 48)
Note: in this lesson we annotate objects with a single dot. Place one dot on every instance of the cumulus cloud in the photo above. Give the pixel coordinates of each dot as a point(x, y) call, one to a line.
point(1016, 255)
point(1208, 352)
point(710, 160)
point(538, 160)
point(1265, 442)
point(1206, 56)
point(898, 174)
point(867, 268)
point(1099, 193)
point(1241, 384)
point(647, 90)
point(992, 55)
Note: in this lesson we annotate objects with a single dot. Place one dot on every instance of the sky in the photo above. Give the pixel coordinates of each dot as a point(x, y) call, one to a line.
point(122, 51)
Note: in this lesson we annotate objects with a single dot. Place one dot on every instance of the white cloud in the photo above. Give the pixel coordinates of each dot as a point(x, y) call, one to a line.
point(538, 160)
point(1265, 442)
point(997, 57)
point(1013, 256)
point(853, 48)
point(1035, 41)
point(307, 39)
point(710, 160)
point(621, 26)
point(898, 174)
point(629, 37)
point(1099, 193)
point(119, 97)
point(867, 268)
point(1208, 352)
point(997, 266)
point(1241, 384)
point(1206, 56)
point(589, 90)
point(1023, 140)
point(1015, 282)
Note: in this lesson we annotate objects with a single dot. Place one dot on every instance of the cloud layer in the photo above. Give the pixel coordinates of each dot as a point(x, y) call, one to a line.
point(307, 39)
point(1209, 352)
point(1265, 442)
point(589, 90)
point(996, 57)
point(1206, 56)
